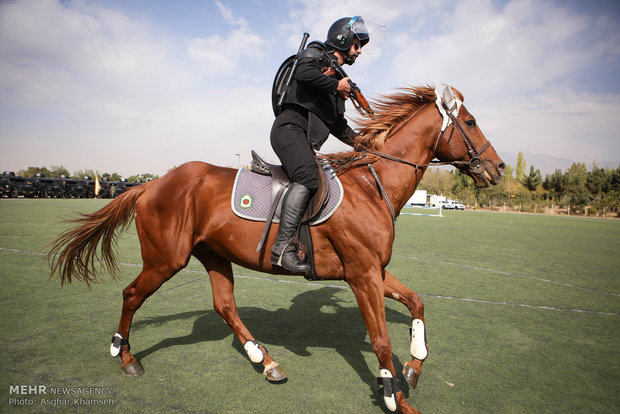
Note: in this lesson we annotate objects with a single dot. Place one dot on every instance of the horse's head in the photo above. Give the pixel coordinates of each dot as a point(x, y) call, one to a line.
point(463, 144)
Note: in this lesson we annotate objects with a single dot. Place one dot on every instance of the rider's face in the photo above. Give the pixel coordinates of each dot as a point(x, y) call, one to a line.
point(356, 49)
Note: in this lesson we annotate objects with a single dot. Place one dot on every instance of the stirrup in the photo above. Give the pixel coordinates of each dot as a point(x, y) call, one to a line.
point(298, 267)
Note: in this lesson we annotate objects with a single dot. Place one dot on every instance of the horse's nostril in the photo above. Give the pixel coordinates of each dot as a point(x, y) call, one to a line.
point(500, 168)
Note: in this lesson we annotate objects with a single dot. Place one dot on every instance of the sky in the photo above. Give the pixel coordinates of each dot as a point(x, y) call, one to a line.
point(141, 86)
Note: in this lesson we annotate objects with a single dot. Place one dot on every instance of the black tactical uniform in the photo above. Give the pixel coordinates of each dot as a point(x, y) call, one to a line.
point(312, 110)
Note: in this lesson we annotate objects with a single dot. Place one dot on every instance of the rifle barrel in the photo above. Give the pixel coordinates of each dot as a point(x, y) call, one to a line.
point(289, 78)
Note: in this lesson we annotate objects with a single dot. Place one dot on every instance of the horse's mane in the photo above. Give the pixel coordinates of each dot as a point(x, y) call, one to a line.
point(390, 111)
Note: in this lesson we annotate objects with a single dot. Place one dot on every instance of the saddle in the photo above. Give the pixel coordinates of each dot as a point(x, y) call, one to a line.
point(280, 182)
point(279, 185)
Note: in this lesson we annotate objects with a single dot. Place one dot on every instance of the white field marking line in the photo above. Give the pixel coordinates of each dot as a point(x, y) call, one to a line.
point(501, 272)
point(318, 284)
point(522, 305)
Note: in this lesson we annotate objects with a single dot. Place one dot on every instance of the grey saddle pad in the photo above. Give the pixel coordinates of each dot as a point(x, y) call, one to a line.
point(251, 197)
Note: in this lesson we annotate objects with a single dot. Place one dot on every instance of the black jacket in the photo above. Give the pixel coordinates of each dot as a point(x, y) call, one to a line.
point(312, 90)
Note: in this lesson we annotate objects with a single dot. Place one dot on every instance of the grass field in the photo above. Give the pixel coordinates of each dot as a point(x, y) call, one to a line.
point(523, 316)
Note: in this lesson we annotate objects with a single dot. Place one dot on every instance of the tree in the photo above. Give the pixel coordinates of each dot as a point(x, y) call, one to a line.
point(556, 184)
point(577, 192)
point(578, 173)
point(141, 178)
point(33, 171)
point(111, 176)
point(598, 181)
point(532, 180)
point(437, 181)
point(614, 182)
point(83, 174)
point(463, 189)
point(58, 171)
point(520, 169)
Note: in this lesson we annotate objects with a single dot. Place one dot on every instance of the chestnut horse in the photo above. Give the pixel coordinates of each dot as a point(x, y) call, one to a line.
point(187, 212)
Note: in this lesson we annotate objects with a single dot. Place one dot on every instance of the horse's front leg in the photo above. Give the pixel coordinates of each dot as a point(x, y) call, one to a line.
point(394, 289)
point(368, 289)
point(222, 284)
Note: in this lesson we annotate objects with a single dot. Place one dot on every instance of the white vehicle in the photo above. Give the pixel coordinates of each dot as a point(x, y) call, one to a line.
point(455, 205)
point(418, 198)
point(436, 201)
point(446, 204)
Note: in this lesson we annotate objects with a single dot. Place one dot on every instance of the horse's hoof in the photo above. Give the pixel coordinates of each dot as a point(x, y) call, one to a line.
point(133, 370)
point(411, 375)
point(275, 373)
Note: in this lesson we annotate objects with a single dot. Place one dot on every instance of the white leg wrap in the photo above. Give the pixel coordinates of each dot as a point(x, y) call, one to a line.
point(418, 340)
point(254, 352)
point(389, 400)
point(115, 346)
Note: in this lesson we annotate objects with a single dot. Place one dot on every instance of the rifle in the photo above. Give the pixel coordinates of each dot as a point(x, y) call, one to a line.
point(357, 97)
point(289, 76)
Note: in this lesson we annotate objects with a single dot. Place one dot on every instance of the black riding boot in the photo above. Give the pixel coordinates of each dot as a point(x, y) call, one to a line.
point(293, 207)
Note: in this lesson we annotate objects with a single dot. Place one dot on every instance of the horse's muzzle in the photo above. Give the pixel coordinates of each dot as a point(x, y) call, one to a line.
point(485, 173)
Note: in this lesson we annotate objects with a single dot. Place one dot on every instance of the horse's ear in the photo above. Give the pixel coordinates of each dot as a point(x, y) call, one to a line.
point(447, 103)
point(450, 100)
point(448, 95)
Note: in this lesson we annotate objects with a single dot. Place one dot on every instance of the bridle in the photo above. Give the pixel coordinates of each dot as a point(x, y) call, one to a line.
point(475, 164)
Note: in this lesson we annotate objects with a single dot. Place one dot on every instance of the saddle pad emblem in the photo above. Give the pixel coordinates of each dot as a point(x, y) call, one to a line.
point(252, 196)
point(246, 201)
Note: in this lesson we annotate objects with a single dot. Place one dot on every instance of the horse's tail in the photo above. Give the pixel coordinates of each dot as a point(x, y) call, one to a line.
point(73, 253)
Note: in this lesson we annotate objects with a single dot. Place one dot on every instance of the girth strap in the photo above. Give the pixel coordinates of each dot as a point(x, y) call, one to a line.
point(384, 193)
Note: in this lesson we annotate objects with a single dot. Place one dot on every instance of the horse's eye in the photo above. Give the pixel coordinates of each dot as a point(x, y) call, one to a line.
point(471, 122)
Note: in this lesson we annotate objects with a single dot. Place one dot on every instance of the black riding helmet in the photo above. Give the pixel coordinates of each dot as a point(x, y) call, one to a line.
point(340, 35)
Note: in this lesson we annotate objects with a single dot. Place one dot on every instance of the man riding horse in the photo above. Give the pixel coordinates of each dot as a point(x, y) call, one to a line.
point(313, 108)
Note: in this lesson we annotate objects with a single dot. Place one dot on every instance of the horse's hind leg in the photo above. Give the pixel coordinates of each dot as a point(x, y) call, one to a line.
point(162, 258)
point(134, 295)
point(393, 289)
point(222, 284)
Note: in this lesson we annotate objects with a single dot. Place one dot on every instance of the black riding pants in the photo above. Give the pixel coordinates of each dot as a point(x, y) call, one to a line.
point(289, 140)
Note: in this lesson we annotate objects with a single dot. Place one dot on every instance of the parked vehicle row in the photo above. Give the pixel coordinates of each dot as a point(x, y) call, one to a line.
point(13, 186)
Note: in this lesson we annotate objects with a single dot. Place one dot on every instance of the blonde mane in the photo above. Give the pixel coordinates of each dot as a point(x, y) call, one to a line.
point(390, 111)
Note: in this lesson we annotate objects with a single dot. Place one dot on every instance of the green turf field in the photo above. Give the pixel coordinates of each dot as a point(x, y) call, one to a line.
point(523, 316)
